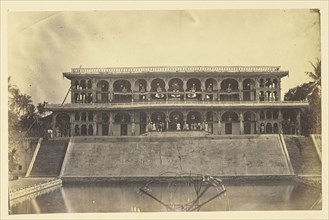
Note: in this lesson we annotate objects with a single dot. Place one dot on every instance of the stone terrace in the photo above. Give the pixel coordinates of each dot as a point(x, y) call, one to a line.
point(153, 156)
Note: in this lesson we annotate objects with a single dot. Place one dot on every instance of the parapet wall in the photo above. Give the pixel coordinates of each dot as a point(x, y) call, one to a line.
point(124, 157)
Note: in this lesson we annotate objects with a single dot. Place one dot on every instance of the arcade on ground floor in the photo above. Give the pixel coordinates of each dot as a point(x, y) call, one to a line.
point(139, 122)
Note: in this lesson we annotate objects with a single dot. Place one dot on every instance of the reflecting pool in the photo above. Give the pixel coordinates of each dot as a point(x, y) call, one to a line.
point(119, 197)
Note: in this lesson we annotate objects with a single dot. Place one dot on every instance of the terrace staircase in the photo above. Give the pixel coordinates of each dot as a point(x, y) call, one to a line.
point(50, 157)
point(303, 155)
point(176, 134)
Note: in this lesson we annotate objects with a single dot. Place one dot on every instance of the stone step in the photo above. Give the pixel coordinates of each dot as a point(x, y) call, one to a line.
point(50, 157)
point(303, 155)
point(177, 134)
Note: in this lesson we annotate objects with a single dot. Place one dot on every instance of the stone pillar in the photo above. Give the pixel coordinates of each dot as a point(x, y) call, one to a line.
point(133, 89)
point(167, 88)
point(257, 89)
point(258, 122)
point(94, 90)
point(185, 119)
point(240, 89)
point(280, 119)
point(279, 89)
point(133, 128)
point(184, 88)
point(110, 92)
point(132, 116)
point(219, 88)
point(95, 128)
point(219, 115)
point(111, 124)
point(203, 89)
point(72, 124)
point(148, 89)
point(241, 123)
point(167, 120)
point(298, 122)
point(94, 121)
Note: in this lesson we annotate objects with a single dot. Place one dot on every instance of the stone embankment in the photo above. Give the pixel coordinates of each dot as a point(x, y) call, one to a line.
point(145, 157)
point(25, 190)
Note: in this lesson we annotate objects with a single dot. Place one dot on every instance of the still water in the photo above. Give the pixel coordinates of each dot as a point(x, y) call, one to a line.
point(257, 195)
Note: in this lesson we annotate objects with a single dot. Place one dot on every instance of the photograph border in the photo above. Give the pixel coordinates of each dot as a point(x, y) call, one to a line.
point(8, 6)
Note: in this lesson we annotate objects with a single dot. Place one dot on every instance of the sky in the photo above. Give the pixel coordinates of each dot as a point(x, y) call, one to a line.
point(43, 45)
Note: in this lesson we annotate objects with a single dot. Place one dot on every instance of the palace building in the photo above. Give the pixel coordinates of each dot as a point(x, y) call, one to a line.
point(218, 100)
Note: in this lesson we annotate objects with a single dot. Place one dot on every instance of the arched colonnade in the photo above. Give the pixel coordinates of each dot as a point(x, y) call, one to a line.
point(175, 88)
point(111, 123)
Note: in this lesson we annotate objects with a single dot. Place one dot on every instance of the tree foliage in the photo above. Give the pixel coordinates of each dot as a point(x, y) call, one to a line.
point(22, 115)
point(311, 91)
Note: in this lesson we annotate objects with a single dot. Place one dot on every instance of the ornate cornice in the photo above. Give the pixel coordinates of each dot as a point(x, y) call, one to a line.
point(175, 69)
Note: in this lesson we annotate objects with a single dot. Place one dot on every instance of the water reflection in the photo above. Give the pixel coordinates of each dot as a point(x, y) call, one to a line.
point(73, 198)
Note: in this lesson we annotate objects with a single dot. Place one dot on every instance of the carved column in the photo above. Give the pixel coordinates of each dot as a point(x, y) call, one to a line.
point(110, 90)
point(167, 88)
point(203, 89)
point(240, 89)
point(280, 118)
point(219, 88)
point(72, 119)
point(94, 90)
point(95, 123)
point(167, 120)
point(185, 119)
point(184, 87)
point(111, 123)
point(258, 122)
point(241, 123)
point(133, 89)
point(257, 89)
point(298, 122)
point(279, 89)
point(132, 116)
point(219, 115)
point(148, 89)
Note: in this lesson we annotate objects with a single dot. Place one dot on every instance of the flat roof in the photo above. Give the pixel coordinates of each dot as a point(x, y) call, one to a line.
point(206, 70)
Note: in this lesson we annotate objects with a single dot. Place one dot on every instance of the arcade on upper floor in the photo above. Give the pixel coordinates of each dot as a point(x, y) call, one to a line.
point(113, 85)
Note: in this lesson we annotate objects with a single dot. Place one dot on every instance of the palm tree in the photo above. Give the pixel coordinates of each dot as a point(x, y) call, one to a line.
point(314, 97)
point(315, 85)
point(25, 102)
point(15, 100)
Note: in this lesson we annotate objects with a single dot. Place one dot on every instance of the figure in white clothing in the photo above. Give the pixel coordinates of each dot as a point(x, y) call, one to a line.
point(206, 126)
point(159, 94)
point(192, 93)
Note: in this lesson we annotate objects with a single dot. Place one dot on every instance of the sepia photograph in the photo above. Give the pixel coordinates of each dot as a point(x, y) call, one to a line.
point(190, 109)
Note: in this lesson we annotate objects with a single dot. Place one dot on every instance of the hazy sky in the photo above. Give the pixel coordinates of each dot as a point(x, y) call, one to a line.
point(43, 45)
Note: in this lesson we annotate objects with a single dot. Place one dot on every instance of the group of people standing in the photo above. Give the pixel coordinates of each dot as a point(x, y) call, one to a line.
point(160, 126)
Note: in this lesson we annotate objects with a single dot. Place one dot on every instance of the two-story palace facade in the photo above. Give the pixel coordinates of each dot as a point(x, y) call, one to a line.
point(219, 100)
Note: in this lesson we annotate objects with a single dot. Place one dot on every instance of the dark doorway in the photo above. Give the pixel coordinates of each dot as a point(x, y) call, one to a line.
point(142, 122)
point(104, 120)
point(105, 129)
point(124, 129)
point(247, 128)
point(228, 128)
point(269, 128)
